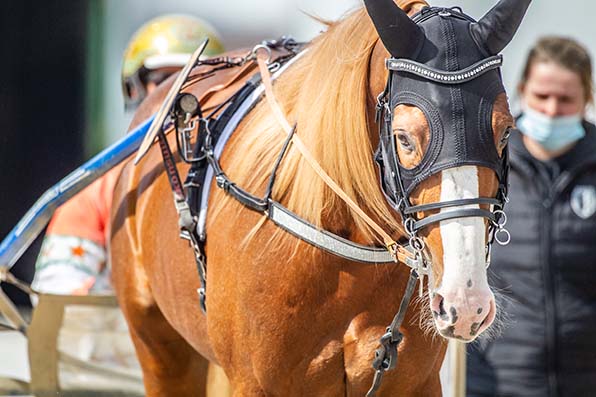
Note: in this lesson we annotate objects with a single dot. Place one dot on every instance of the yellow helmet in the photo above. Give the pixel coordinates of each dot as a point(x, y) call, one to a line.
point(161, 47)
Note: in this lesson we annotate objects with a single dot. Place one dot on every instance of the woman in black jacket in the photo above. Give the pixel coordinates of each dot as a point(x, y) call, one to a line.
point(547, 274)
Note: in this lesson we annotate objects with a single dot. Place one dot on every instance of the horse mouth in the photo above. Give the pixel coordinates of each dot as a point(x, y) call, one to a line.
point(462, 330)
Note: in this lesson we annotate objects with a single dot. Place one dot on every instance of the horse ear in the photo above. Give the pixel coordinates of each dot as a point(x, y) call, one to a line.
point(400, 35)
point(496, 29)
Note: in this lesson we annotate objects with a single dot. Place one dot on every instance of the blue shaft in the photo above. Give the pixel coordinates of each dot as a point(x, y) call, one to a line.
point(38, 216)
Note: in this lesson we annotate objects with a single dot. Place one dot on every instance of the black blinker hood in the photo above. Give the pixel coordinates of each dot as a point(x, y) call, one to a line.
point(454, 82)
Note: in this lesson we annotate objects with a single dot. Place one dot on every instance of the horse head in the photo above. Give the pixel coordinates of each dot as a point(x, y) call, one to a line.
point(444, 120)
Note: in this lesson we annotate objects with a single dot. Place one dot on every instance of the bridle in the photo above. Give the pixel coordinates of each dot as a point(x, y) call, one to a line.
point(398, 183)
point(399, 197)
point(451, 145)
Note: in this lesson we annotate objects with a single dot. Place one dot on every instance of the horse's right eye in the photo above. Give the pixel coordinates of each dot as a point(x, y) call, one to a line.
point(405, 142)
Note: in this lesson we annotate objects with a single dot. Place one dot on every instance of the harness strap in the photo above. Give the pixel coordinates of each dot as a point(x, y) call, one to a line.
point(186, 221)
point(333, 243)
point(230, 187)
point(461, 213)
point(391, 245)
point(386, 354)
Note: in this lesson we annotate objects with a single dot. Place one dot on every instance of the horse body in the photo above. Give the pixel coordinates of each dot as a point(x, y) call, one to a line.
point(284, 318)
point(332, 316)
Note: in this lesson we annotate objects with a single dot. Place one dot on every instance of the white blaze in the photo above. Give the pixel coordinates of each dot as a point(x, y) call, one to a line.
point(463, 238)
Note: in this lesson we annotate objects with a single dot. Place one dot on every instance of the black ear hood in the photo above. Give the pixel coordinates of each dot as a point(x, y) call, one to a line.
point(447, 65)
point(401, 37)
point(496, 29)
point(454, 82)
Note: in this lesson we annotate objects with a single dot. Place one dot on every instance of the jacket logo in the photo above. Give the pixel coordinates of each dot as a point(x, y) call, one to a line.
point(583, 201)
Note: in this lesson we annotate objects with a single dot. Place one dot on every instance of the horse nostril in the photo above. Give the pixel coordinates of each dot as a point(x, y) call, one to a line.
point(438, 307)
point(486, 321)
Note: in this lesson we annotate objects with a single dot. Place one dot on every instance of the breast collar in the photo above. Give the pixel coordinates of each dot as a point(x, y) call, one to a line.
point(454, 82)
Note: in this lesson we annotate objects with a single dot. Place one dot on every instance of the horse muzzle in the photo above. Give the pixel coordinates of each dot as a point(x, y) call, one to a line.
point(463, 315)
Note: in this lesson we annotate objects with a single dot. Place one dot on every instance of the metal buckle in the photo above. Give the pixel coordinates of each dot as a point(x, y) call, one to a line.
point(202, 299)
point(392, 248)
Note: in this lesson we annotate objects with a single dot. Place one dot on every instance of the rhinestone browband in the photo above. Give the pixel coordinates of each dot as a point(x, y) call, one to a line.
point(439, 76)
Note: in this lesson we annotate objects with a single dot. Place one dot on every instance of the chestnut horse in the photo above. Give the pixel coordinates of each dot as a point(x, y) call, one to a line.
point(284, 317)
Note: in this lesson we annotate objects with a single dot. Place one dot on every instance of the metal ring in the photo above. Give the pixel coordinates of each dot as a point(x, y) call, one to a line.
point(503, 221)
point(507, 237)
point(417, 243)
point(262, 47)
point(409, 224)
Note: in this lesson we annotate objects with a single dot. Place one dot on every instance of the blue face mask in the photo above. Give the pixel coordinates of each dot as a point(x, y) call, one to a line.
point(553, 133)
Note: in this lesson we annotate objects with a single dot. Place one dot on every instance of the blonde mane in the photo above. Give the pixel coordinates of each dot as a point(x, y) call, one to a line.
point(326, 93)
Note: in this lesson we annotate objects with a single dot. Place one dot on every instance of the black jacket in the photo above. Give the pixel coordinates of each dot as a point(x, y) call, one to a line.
point(547, 276)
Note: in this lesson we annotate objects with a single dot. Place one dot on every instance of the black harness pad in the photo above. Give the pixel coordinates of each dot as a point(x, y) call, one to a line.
point(195, 180)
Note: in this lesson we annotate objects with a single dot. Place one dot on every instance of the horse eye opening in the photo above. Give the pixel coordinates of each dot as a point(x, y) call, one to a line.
point(505, 136)
point(404, 141)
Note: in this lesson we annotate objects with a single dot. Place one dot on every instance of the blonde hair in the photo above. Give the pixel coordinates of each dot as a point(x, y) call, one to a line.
point(326, 94)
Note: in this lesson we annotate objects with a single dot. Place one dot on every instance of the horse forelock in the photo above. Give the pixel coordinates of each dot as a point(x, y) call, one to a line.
point(327, 95)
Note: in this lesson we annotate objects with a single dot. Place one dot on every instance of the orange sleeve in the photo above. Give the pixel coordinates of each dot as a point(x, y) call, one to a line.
point(87, 214)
